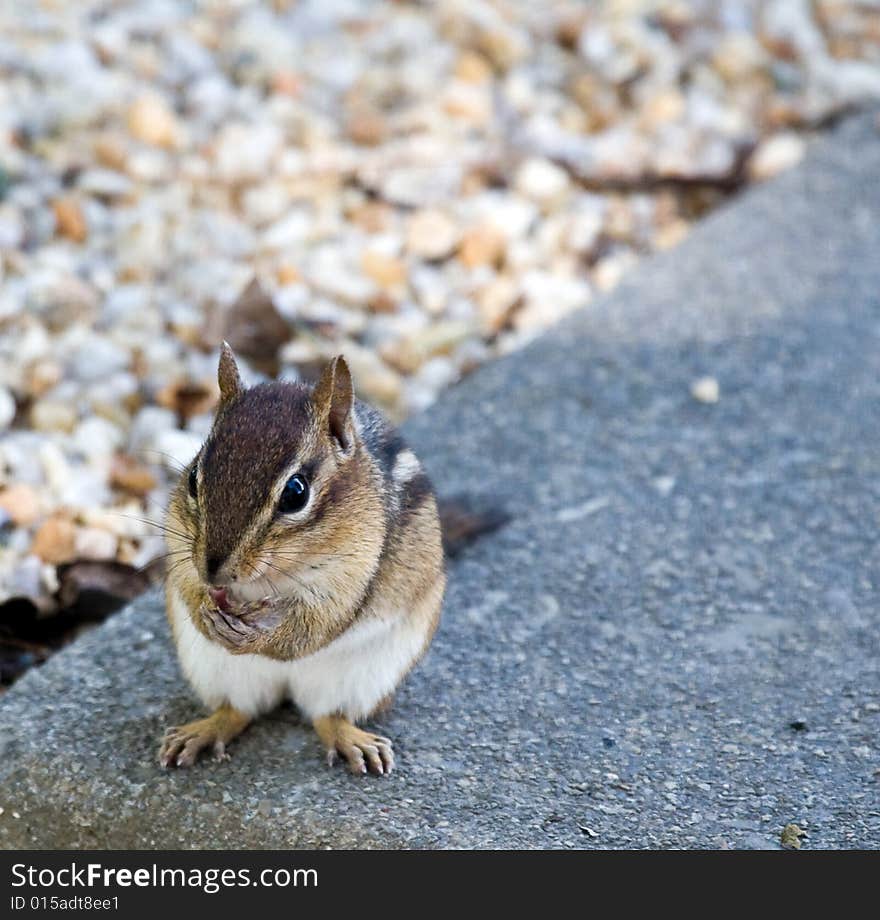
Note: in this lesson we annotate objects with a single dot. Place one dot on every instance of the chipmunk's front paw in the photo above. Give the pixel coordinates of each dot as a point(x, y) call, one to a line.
point(182, 745)
point(362, 751)
point(240, 630)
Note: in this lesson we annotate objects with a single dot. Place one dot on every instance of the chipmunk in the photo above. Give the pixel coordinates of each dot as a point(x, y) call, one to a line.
point(305, 563)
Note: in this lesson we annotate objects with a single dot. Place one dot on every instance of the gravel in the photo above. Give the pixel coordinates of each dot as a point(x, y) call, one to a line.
point(673, 643)
point(421, 186)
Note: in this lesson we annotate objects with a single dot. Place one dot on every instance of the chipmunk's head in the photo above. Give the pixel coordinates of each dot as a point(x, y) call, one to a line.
point(281, 499)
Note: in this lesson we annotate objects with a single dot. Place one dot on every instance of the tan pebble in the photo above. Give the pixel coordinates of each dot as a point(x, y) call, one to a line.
point(94, 543)
point(55, 541)
point(666, 207)
point(110, 151)
point(496, 302)
point(21, 503)
point(705, 390)
point(382, 302)
point(41, 376)
point(133, 273)
point(475, 180)
point(462, 100)
point(431, 235)
point(70, 220)
point(503, 47)
point(597, 100)
point(737, 56)
point(287, 82)
point(50, 415)
point(667, 106)
point(372, 377)
point(288, 274)
point(113, 412)
point(472, 68)
point(386, 271)
point(619, 219)
point(574, 120)
point(130, 476)
point(483, 245)
point(372, 216)
point(191, 334)
point(609, 271)
point(671, 234)
point(410, 353)
point(151, 121)
point(127, 551)
point(367, 128)
point(401, 355)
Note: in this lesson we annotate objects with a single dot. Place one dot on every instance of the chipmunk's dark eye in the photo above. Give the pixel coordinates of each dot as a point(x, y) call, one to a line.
point(193, 482)
point(294, 495)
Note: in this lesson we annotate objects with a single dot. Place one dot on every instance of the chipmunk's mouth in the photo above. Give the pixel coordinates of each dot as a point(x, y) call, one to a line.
point(221, 598)
point(231, 601)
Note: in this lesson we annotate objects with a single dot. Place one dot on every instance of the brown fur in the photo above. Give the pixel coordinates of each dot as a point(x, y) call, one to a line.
point(365, 544)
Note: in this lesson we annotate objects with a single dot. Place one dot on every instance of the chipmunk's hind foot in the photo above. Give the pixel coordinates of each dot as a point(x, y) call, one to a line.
point(182, 745)
point(362, 751)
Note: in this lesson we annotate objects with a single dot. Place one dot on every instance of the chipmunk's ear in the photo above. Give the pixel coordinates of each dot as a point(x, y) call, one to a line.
point(333, 399)
point(227, 376)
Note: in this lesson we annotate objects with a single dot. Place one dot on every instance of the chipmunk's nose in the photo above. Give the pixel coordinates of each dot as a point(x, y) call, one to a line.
point(212, 567)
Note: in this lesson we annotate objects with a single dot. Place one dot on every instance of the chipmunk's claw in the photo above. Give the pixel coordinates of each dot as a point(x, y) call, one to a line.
point(182, 745)
point(362, 751)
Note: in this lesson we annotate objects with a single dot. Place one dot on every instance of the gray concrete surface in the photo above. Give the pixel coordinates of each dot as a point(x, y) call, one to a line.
point(673, 643)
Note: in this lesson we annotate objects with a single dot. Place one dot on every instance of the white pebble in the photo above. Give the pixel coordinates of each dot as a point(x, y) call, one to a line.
point(705, 390)
point(96, 357)
point(176, 448)
point(94, 543)
point(431, 235)
point(96, 438)
point(246, 151)
point(541, 180)
point(105, 182)
point(146, 428)
point(7, 408)
point(775, 155)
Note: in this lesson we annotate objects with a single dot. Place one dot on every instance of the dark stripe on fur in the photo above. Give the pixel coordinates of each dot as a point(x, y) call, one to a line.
point(413, 495)
point(254, 440)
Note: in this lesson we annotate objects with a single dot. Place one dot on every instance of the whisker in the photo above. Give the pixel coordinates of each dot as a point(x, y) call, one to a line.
point(284, 573)
point(161, 562)
point(174, 567)
point(159, 525)
point(275, 590)
point(173, 552)
point(300, 555)
point(175, 463)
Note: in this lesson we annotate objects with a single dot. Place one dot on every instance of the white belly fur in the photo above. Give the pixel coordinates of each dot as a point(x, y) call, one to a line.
point(350, 676)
